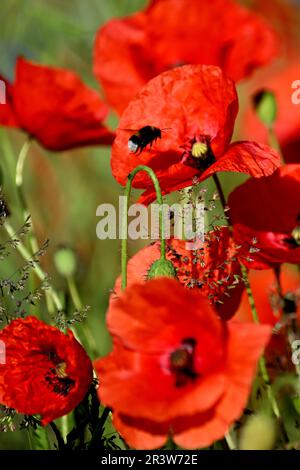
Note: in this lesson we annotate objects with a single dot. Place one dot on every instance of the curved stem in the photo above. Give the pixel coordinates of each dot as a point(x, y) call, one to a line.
point(124, 233)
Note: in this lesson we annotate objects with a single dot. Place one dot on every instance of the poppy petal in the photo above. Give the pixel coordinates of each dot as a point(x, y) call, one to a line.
point(251, 158)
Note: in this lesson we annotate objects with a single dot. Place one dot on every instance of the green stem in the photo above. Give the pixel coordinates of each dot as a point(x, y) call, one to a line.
point(262, 361)
point(159, 197)
point(19, 175)
point(21, 161)
point(27, 257)
point(220, 191)
point(74, 293)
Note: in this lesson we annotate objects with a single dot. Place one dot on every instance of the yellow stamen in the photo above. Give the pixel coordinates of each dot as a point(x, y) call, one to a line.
point(199, 149)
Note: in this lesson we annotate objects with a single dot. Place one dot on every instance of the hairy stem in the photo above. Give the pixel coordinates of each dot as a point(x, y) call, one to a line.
point(124, 257)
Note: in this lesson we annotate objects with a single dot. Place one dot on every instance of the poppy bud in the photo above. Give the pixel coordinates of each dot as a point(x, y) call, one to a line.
point(258, 433)
point(161, 268)
point(65, 262)
point(265, 106)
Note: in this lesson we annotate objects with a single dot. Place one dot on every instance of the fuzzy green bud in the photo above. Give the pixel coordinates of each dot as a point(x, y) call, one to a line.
point(258, 433)
point(265, 106)
point(161, 268)
point(65, 262)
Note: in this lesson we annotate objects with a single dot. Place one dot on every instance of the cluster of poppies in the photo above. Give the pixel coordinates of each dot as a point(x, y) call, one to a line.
point(185, 349)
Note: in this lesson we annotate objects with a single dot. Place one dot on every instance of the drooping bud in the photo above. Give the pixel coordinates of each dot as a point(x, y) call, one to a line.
point(161, 268)
point(65, 261)
point(258, 433)
point(265, 106)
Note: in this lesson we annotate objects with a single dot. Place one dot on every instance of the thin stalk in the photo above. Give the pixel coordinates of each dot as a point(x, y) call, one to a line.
point(262, 361)
point(230, 441)
point(124, 256)
point(74, 293)
point(21, 162)
point(220, 190)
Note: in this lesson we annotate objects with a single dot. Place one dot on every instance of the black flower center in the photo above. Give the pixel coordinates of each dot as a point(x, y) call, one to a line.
point(198, 153)
point(182, 362)
point(57, 378)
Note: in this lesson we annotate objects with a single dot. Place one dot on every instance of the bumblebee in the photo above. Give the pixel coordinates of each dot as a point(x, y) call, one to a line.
point(143, 137)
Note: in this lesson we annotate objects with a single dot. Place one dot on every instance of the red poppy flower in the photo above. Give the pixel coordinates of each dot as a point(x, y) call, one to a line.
point(46, 372)
point(132, 50)
point(268, 210)
point(267, 301)
point(283, 16)
point(270, 307)
point(55, 107)
point(212, 268)
point(176, 368)
point(287, 124)
point(197, 107)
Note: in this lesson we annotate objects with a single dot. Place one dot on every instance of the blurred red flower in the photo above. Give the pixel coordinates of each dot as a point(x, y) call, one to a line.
point(132, 50)
point(268, 210)
point(267, 300)
point(198, 106)
point(176, 368)
point(54, 107)
point(279, 312)
point(46, 372)
point(212, 269)
point(287, 124)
